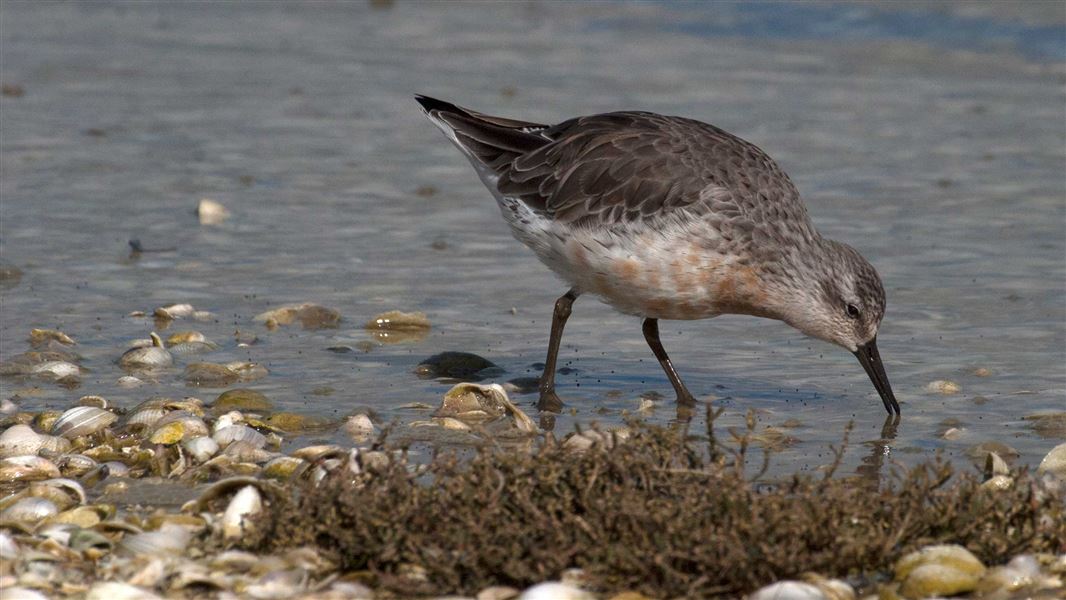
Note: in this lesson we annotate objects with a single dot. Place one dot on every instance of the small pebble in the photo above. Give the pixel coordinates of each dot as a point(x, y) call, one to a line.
point(943, 386)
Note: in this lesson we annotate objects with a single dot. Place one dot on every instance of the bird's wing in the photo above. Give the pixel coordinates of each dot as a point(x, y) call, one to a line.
point(613, 168)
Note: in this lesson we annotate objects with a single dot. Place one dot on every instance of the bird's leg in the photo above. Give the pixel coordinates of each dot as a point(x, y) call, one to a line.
point(549, 401)
point(651, 334)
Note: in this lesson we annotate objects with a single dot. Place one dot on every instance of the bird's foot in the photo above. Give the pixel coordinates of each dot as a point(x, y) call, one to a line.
point(549, 402)
point(686, 399)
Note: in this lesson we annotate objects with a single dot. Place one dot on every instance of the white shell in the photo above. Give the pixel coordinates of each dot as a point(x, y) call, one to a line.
point(21, 593)
point(788, 590)
point(359, 426)
point(75, 464)
point(29, 510)
point(169, 539)
point(147, 416)
point(242, 433)
point(201, 448)
point(116, 469)
point(82, 420)
point(69, 485)
point(242, 451)
point(151, 356)
point(57, 368)
point(245, 502)
point(9, 550)
point(19, 439)
point(552, 590)
point(129, 381)
point(54, 444)
point(113, 590)
point(27, 468)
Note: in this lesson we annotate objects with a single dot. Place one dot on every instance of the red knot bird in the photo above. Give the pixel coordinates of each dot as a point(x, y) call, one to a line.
point(668, 218)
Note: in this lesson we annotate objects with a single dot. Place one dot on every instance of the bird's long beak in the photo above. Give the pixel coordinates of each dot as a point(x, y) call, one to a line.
point(871, 361)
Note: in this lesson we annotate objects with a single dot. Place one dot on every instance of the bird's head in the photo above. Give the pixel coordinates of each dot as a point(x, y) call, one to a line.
point(840, 300)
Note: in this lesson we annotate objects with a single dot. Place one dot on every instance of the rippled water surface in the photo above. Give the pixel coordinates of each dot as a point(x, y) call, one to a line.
point(930, 136)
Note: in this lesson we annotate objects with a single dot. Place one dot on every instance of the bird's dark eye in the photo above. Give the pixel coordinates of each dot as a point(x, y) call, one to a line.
point(853, 311)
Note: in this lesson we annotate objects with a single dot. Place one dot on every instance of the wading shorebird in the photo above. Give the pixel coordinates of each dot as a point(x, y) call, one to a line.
point(668, 218)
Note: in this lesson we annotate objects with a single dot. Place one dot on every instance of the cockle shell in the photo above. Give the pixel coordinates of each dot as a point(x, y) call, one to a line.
point(244, 503)
point(18, 440)
point(82, 420)
point(29, 510)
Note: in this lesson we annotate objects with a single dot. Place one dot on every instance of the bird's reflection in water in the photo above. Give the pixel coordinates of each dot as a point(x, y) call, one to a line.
point(871, 469)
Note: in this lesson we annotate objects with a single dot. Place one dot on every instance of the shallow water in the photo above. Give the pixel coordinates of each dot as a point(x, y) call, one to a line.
point(929, 136)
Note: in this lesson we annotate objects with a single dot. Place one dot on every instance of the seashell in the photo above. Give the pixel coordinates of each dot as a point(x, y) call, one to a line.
point(471, 401)
point(9, 550)
point(476, 402)
point(149, 357)
point(233, 417)
point(184, 337)
point(1055, 462)
point(174, 311)
point(211, 212)
point(169, 539)
point(248, 371)
point(97, 401)
point(359, 426)
point(29, 510)
point(145, 417)
point(243, 451)
point(243, 433)
point(116, 469)
point(209, 374)
point(223, 487)
point(314, 453)
point(83, 539)
point(286, 422)
point(395, 326)
point(244, 503)
point(40, 337)
point(241, 399)
point(200, 448)
point(82, 420)
point(282, 467)
point(113, 590)
point(27, 468)
point(943, 386)
point(194, 425)
point(786, 590)
point(310, 316)
point(129, 381)
point(59, 532)
point(193, 348)
point(72, 490)
point(175, 431)
point(57, 369)
point(555, 590)
point(19, 440)
point(45, 420)
point(22, 593)
point(288, 583)
point(75, 465)
point(83, 516)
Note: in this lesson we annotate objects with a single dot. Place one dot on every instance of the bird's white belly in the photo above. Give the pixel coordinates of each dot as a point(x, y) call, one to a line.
point(663, 272)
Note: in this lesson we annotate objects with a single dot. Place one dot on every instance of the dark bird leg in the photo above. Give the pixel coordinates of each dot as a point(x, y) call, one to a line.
point(549, 401)
point(651, 334)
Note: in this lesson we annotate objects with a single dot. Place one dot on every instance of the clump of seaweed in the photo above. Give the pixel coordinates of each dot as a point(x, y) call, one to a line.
point(656, 514)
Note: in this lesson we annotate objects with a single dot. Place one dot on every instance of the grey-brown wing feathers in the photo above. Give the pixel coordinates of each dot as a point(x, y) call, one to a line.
point(625, 166)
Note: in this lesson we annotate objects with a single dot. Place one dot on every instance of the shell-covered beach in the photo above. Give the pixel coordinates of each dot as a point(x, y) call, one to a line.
point(242, 279)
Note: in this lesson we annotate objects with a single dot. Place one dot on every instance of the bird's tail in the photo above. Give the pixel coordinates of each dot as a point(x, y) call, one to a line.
point(489, 142)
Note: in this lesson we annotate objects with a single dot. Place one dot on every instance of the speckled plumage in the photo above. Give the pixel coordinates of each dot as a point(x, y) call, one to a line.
point(668, 218)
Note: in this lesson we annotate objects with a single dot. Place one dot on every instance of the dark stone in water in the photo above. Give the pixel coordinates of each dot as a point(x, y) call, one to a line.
point(463, 366)
point(525, 385)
